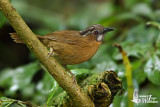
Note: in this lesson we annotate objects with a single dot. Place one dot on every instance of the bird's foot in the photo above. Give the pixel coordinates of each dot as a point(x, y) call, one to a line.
point(74, 79)
point(73, 76)
point(50, 52)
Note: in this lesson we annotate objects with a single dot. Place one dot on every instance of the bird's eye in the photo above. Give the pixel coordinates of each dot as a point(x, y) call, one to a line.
point(95, 32)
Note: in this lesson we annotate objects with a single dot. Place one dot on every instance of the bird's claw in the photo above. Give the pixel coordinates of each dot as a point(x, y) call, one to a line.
point(50, 52)
point(74, 79)
point(73, 76)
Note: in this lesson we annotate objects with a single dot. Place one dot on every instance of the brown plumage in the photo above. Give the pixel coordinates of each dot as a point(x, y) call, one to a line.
point(72, 47)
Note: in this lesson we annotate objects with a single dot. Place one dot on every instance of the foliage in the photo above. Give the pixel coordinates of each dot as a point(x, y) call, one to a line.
point(137, 31)
point(19, 82)
point(2, 19)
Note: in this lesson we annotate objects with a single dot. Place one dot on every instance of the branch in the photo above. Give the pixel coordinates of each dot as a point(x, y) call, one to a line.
point(40, 51)
point(100, 87)
point(128, 73)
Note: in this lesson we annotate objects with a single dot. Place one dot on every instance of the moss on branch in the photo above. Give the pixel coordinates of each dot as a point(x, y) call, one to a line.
point(100, 87)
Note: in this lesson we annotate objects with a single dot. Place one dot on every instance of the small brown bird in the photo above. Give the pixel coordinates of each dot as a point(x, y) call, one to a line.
point(72, 47)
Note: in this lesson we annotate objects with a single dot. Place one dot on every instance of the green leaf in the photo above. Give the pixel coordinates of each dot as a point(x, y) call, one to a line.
point(55, 91)
point(86, 65)
point(154, 24)
point(142, 34)
point(6, 102)
point(80, 71)
point(105, 66)
point(137, 50)
point(125, 16)
point(142, 9)
point(82, 19)
point(81, 74)
point(2, 19)
point(43, 88)
point(122, 101)
point(138, 71)
point(158, 42)
point(152, 69)
point(19, 78)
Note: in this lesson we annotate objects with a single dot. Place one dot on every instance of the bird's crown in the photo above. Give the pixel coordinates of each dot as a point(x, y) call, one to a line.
point(97, 30)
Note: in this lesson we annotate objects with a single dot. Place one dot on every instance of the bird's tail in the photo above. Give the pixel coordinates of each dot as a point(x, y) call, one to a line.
point(16, 38)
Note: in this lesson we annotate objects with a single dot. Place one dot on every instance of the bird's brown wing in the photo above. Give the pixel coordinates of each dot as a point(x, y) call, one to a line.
point(66, 36)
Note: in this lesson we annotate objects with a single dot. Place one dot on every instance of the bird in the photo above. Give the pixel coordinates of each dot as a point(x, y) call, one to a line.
point(71, 47)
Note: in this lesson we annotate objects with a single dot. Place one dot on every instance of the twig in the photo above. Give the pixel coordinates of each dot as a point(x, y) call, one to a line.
point(128, 68)
point(154, 24)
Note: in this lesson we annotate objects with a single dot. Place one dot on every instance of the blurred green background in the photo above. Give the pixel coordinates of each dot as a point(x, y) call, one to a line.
point(22, 77)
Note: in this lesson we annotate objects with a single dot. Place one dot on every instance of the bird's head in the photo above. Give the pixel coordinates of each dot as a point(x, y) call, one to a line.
point(97, 30)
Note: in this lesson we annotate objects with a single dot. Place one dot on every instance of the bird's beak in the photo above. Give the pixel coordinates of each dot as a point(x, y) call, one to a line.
point(107, 30)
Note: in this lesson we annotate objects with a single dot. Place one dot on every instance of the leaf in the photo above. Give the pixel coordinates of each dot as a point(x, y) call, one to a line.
point(142, 34)
point(154, 24)
point(43, 88)
point(82, 19)
point(142, 9)
point(105, 66)
point(55, 91)
point(49, 20)
point(2, 19)
point(138, 71)
point(122, 101)
point(137, 50)
point(103, 54)
point(80, 71)
point(158, 42)
point(19, 78)
point(6, 102)
point(152, 69)
point(81, 74)
point(119, 18)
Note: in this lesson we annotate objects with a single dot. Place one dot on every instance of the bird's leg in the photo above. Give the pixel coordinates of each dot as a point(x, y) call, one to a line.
point(73, 76)
point(50, 52)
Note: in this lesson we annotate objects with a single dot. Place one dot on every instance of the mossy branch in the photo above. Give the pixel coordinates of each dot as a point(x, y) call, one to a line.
point(40, 51)
point(100, 87)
